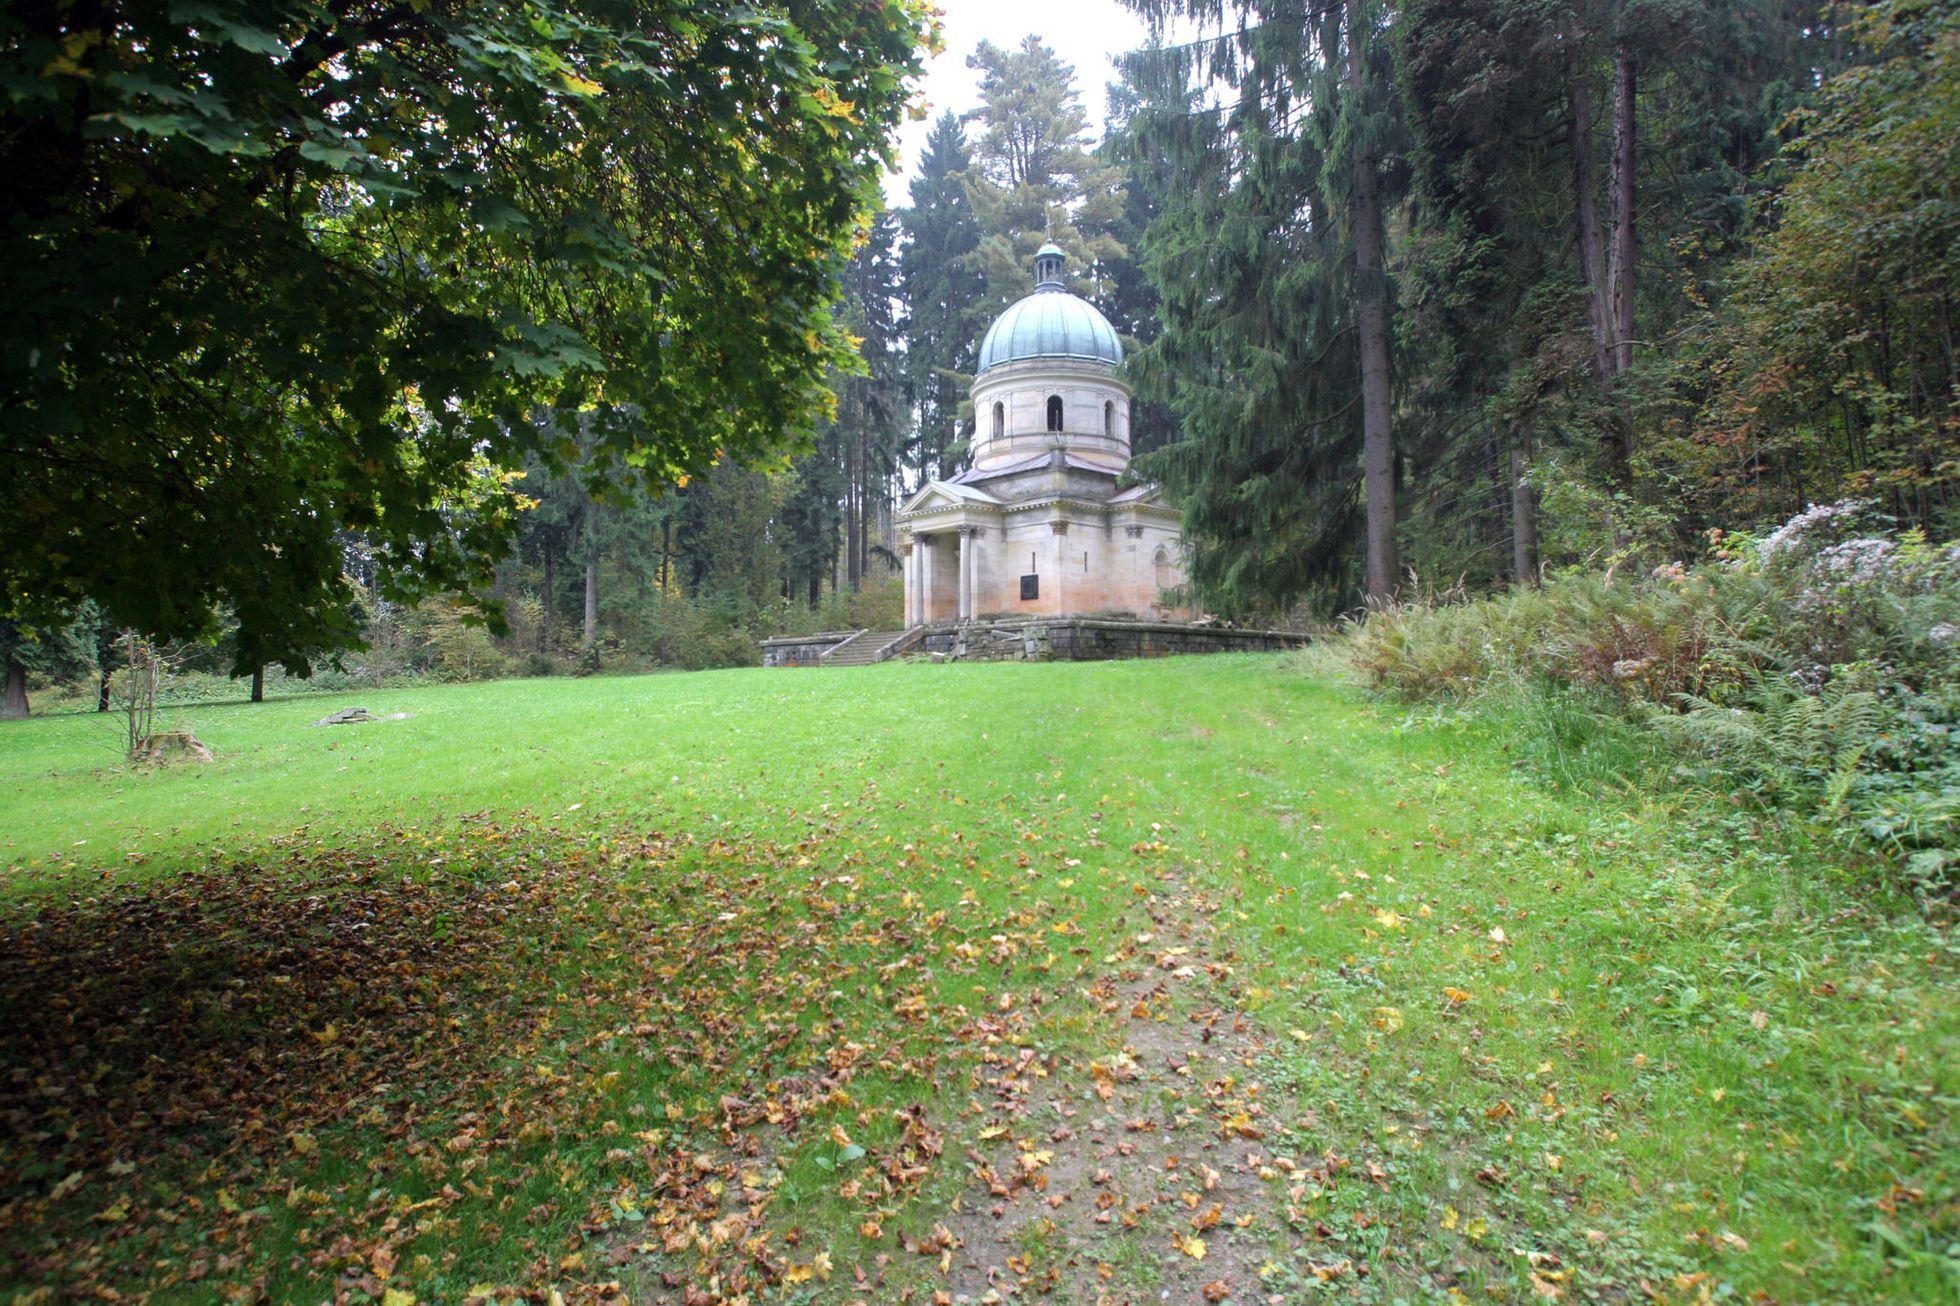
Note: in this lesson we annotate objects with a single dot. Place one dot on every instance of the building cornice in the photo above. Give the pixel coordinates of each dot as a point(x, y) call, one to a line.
point(1025, 369)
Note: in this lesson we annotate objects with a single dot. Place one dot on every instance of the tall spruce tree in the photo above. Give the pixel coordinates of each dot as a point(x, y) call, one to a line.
point(1130, 301)
point(841, 491)
point(1281, 140)
point(1035, 177)
point(1512, 110)
point(871, 405)
point(813, 517)
point(942, 292)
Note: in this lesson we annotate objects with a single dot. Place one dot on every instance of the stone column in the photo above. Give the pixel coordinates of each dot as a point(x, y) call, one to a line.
point(926, 551)
point(909, 569)
point(1142, 596)
point(1060, 531)
point(966, 573)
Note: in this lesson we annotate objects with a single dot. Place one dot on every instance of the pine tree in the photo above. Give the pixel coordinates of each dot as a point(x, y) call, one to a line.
point(1511, 306)
point(1266, 254)
point(1034, 177)
point(1130, 302)
point(730, 554)
point(813, 517)
point(871, 405)
point(63, 652)
point(841, 492)
point(941, 291)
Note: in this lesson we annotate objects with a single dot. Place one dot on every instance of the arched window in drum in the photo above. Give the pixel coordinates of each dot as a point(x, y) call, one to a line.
point(1000, 420)
point(1054, 412)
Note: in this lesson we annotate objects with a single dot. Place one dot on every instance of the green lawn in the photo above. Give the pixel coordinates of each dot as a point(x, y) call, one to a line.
point(709, 983)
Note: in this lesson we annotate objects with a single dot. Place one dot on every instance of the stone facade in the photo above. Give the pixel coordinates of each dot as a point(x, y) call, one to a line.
point(1043, 523)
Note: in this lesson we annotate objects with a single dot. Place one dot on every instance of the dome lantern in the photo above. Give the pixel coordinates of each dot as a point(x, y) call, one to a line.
point(1048, 267)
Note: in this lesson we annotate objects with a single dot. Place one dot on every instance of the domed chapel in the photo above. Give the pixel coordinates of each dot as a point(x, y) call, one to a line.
point(1040, 524)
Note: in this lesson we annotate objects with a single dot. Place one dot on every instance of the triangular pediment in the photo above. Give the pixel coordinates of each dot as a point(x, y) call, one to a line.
point(934, 495)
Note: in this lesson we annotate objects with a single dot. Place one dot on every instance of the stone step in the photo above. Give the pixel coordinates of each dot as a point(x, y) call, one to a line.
point(861, 650)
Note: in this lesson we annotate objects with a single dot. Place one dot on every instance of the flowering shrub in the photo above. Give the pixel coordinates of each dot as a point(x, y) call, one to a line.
point(1814, 670)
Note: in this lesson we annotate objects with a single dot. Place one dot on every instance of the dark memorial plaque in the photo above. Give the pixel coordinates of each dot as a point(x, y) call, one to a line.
point(1030, 588)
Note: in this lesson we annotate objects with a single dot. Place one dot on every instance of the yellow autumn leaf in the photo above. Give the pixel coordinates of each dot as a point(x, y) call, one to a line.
point(1451, 1217)
point(398, 1297)
point(1191, 1245)
point(1386, 1019)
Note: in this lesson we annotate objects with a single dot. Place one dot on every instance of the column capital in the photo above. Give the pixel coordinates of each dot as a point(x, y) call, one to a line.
point(1058, 527)
point(971, 531)
point(1134, 532)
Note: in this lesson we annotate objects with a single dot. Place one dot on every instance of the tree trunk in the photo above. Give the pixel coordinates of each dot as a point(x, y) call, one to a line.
point(1592, 260)
point(854, 511)
point(102, 691)
point(14, 706)
point(258, 684)
point(591, 639)
point(1619, 273)
point(550, 596)
point(1524, 512)
point(1371, 289)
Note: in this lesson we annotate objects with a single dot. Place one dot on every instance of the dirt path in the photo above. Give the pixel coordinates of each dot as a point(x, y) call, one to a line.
point(1139, 1172)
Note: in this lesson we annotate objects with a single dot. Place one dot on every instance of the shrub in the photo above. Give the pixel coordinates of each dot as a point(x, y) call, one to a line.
point(1816, 671)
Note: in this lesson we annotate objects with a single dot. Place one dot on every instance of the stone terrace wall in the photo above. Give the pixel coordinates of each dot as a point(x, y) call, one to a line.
point(1049, 639)
point(801, 650)
point(1092, 639)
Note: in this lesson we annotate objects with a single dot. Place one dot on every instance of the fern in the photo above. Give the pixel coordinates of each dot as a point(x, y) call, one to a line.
point(1778, 725)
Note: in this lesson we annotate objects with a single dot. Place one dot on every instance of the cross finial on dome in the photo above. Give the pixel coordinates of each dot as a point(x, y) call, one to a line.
point(1048, 267)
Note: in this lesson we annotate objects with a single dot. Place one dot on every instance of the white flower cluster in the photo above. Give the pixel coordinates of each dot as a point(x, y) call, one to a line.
point(1857, 562)
point(1791, 538)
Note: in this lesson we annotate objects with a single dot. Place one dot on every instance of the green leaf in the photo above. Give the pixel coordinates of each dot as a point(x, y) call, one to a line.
point(334, 156)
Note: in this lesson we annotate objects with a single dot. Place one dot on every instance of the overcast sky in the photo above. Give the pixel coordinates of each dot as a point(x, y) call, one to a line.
point(1084, 33)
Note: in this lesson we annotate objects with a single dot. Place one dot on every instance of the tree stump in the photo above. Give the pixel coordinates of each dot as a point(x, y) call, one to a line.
point(168, 746)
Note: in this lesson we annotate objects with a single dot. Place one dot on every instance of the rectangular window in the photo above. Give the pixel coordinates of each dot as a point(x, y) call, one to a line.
point(1030, 588)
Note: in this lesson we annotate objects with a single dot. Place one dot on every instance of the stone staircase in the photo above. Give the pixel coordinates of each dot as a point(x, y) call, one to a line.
point(861, 649)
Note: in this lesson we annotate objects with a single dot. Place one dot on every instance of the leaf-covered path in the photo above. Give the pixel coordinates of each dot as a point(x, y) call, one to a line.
point(1134, 1166)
